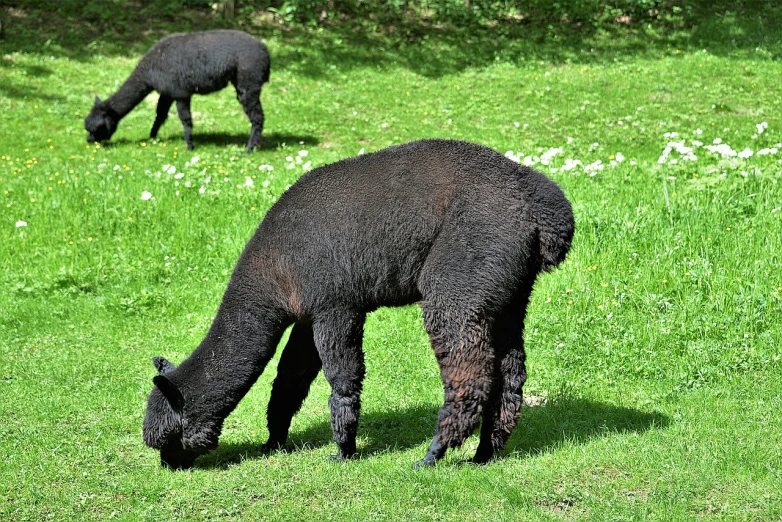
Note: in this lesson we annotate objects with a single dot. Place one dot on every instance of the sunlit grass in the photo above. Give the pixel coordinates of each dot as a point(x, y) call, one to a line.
point(656, 345)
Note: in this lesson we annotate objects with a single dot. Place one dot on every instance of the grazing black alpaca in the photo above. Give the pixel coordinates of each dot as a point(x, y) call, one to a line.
point(451, 225)
point(181, 65)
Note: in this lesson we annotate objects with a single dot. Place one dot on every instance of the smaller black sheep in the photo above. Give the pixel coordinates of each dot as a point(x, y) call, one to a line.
point(181, 65)
point(453, 226)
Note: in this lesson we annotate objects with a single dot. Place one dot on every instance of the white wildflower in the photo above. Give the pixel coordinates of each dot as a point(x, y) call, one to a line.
point(723, 149)
point(513, 157)
point(145, 196)
point(570, 164)
point(761, 127)
point(179, 175)
point(20, 224)
point(746, 153)
point(248, 182)
point(192, 161)
point(593, 168)
point(545, 158)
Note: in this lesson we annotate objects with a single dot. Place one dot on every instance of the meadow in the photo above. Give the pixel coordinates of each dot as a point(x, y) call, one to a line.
point(654, 362)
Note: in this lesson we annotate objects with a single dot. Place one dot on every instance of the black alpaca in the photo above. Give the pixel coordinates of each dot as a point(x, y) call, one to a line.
point(451, 225)
point(181, 65)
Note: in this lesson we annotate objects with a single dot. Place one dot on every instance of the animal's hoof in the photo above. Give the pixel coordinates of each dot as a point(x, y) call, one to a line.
point(424, 463)
point(338, 457)
point(482, 457)
point(269, 447)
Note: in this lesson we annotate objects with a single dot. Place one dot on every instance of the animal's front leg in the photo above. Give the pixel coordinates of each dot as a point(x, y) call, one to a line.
point(298, 367)
point(183, 109)
point(163, 106)
point(338, 337)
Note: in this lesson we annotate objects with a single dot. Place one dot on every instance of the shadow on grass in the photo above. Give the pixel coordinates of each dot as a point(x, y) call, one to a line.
point(576, 421)
point(541, 429)
point(271, 141)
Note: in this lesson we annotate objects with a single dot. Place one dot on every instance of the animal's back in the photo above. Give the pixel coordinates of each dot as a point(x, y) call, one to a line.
point(203, 62)
point(360, 230)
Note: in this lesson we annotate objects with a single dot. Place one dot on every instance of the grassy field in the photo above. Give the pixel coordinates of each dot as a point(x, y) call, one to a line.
point(653, 352)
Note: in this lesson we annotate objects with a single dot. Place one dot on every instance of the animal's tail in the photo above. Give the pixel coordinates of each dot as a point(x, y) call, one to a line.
point(266, 66)
point(555, 221)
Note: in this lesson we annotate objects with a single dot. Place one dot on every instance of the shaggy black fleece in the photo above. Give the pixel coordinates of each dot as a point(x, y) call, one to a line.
point(454, 226)
point(181, 65)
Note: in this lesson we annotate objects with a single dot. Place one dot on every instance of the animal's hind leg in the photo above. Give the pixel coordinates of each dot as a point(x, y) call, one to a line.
point(183, 109)
point(163, 105)
point(338, 337)
point(464, 353)
point(298, 367)
point(251, 103)
point(503, 410)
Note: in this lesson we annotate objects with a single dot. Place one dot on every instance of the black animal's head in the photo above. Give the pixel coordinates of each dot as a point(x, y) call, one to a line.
point(101, 122)
point(169, 426)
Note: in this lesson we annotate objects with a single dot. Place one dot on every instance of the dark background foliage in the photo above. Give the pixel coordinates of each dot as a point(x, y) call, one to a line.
point(576, 13)
point(431, 37)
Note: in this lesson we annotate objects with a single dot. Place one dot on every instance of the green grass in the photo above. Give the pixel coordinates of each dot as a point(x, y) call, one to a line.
point(656, 345)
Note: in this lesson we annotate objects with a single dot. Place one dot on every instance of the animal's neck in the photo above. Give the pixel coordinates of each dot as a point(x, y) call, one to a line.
point(241, 341)
point(128, 96)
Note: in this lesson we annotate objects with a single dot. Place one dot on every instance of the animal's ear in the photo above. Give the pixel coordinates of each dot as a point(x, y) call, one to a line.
point(162, 365)
point(97, 100)
point(170, 392)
